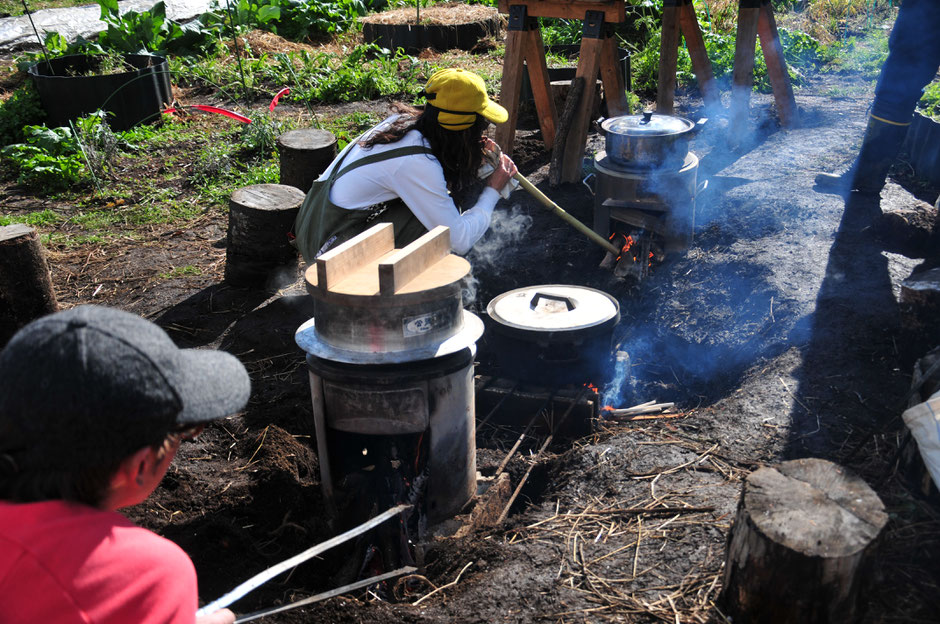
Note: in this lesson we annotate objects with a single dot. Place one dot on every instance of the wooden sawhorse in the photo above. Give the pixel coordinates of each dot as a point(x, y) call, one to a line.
point(598, 55)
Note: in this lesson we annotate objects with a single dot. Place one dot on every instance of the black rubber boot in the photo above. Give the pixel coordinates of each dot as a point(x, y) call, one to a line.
point(867, 175)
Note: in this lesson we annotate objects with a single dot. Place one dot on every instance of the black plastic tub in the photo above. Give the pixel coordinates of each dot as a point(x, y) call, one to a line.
point(68, 88)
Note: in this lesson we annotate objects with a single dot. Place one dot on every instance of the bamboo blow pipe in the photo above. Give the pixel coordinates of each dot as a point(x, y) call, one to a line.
point(555, 208)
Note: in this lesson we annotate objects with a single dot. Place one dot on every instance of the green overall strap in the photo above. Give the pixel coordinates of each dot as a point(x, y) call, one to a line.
point(411, 150)
point(319, 220)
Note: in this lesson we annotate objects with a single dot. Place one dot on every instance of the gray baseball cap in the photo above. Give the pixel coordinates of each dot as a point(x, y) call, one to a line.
point(91, 385)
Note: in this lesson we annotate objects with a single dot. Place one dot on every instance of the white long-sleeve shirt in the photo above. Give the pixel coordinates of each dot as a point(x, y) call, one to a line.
point(419, 181)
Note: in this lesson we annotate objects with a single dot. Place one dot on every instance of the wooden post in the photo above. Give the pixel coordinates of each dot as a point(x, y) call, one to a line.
point(259, 253)
point(701, 66)
point(798, 548)
point(25, 283)
point(777, 67)
point(668, 59)
point(742, 80)
point(756, 17)
point(304, 155)
point(679, 16)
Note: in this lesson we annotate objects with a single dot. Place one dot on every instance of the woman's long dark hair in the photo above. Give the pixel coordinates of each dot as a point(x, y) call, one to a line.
point(460, 152)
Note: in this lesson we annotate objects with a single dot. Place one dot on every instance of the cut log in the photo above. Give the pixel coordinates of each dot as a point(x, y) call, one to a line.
point(798, 550)
point(304, 155)
point(25, 284)
point(919, 304)
point(259, 253)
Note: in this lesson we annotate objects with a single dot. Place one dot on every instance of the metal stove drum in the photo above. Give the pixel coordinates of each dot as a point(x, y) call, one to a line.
point(390, 360)
point(659, 200)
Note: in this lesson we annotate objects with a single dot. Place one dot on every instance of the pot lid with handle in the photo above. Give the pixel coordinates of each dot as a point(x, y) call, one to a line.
point(647, 124)
point(553, 308)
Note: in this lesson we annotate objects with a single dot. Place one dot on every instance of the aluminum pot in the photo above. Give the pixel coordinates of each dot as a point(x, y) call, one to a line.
point(553, 334)
point(649, 140)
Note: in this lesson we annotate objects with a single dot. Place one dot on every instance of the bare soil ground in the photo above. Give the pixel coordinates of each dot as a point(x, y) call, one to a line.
point(776, 333)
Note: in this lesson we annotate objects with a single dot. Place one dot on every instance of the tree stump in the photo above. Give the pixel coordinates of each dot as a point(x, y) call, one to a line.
point(259, 253)
point(919, 304)
point(25, 284)
point(797, 551)
point(305, 154)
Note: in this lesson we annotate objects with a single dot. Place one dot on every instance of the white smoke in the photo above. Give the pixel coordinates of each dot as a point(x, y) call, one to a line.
point(507, 227)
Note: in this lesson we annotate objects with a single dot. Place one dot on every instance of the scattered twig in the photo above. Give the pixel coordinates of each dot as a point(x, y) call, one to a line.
point(442, 587)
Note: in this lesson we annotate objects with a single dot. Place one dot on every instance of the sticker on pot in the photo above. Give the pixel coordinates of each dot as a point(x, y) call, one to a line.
point(418, 325)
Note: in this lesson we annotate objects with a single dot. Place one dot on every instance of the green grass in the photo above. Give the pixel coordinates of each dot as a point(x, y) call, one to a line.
point(40, 218)
point(845, 93)
point(182, 271)
point(347, 127)
point(858, 56)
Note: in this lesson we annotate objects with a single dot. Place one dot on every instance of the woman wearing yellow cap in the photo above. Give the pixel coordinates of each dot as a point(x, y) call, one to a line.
point(406, 169)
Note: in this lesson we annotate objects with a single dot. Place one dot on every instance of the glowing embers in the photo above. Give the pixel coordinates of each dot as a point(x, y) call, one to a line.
point(638, 252)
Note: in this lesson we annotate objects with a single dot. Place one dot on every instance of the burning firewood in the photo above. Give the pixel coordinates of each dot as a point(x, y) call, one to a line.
point(650, 407)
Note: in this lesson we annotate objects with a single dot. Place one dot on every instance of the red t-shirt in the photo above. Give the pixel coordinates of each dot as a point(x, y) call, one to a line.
point(63, 563)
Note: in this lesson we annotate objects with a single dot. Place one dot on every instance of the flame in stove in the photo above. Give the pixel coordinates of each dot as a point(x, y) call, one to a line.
point(597, 391)
point(628, 247)
point(625, 246)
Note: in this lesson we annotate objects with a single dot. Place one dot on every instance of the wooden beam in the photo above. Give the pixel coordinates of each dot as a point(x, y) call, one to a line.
point(337, 264)
point(406, 264)
point(614, 10)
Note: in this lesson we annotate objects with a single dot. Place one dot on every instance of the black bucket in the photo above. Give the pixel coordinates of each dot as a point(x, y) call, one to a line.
point(67, 91)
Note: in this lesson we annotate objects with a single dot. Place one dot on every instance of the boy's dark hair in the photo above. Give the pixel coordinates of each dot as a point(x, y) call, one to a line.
point(460, 152)
point(85, 485)
point(82, 390)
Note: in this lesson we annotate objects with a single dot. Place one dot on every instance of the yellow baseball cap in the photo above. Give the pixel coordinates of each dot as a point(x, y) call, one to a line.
point(459, 96)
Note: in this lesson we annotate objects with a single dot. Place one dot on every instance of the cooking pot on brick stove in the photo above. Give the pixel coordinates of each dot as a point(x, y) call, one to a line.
point(649, 140)
point(553, 334)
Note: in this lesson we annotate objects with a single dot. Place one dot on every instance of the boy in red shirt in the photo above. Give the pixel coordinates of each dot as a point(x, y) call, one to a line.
point(94, 403)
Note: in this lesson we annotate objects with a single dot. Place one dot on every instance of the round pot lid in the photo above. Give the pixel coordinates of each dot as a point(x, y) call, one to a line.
point(647, 124)
point(554, 307)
